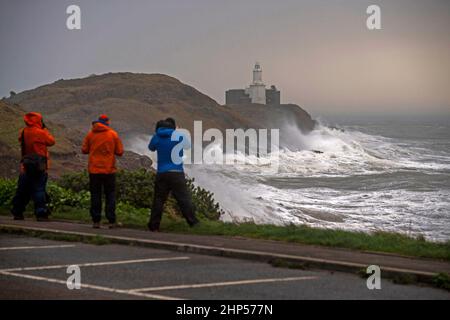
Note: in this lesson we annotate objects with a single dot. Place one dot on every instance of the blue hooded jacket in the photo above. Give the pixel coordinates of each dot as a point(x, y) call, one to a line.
point(165, 142)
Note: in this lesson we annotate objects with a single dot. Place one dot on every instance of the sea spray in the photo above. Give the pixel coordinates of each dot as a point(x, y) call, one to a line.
point(336, 178)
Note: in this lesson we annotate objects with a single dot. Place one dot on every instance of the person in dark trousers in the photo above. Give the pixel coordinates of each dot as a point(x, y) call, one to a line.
point(34, 140)
point(170, 173)
point(103, 145)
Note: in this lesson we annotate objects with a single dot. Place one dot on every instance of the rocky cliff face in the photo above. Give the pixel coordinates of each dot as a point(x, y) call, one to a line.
point(134, 103)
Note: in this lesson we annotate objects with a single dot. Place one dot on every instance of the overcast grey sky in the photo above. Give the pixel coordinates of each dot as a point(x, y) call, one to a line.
point(319, 53)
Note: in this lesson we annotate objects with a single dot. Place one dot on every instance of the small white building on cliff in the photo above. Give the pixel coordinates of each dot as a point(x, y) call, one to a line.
point(255, 93)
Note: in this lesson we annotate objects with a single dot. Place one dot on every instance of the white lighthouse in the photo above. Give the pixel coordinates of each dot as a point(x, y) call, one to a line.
point(255, 93)
point(257, 89)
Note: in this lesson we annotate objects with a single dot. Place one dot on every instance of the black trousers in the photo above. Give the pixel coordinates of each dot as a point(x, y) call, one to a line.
point(107, 184)
point(165, 183)
point(31, 187)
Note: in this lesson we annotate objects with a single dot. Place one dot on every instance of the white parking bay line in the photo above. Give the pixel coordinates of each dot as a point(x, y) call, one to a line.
point(221, 284)
point(38, 247)
point(90, 286)
point(94, 264)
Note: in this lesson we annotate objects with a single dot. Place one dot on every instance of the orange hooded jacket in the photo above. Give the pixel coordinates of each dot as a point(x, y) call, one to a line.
point(103, 145)
point(37, 138)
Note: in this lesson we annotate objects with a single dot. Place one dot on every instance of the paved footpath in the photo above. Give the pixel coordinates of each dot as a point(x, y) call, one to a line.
point(244, 248)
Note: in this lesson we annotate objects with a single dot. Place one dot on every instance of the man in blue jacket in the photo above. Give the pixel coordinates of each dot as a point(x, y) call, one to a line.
point(169, 144)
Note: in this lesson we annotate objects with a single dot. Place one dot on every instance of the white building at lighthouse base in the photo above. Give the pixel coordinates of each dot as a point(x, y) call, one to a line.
point(256, 92)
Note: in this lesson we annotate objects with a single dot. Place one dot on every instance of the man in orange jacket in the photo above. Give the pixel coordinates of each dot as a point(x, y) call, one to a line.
point(103, 145)
point(34, 140)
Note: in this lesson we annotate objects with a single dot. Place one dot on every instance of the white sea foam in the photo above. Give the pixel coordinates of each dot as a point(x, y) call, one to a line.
point(248, 190)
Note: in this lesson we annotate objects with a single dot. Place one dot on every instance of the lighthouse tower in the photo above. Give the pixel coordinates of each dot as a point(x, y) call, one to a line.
point(257, 74)
point(257, 89)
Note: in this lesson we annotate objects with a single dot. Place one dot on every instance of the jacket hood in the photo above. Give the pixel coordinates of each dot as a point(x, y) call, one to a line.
point(99, 127)
point(164, 132)
point(33, 119)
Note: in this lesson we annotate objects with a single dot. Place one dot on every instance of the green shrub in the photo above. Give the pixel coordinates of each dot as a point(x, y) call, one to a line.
point(7, 191)
point(204, 202)
point(76, 181)
point(132, 187)
point(134, 194)
point(135, 188)
point(60, 197)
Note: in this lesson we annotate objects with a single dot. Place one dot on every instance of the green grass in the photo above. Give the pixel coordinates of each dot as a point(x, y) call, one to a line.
point(379, 241)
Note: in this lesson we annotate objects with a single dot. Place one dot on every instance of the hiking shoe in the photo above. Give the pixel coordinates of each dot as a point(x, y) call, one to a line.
point(42, 219)
point(152, 229)
point(96, 225)
point(115, 225)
